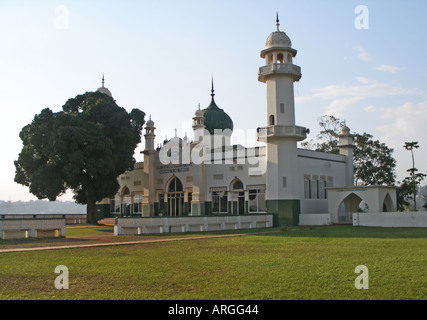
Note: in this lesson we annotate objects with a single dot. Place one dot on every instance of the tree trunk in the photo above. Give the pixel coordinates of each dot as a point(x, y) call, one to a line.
point(413, 180)
point(91, 211)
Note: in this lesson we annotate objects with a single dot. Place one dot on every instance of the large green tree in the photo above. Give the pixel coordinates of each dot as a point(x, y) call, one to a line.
point(373, 161)
point(84, 148)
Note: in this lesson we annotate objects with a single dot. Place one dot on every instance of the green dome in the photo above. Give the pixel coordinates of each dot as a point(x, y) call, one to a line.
point(216, 118)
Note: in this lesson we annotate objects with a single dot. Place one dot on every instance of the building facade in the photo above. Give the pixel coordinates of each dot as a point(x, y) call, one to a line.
point(209, 176)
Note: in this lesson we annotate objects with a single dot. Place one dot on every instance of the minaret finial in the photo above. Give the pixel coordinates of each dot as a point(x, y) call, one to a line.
point(277, 20)
point(212, 90)
point(103, 81)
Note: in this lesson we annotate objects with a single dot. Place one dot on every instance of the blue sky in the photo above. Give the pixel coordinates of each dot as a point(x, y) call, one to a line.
point(159, 56)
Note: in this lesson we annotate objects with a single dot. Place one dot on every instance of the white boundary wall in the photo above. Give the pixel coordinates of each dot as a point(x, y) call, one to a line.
point(31, 228)
point(390, 219)
point(315, 219)
point(190, 224)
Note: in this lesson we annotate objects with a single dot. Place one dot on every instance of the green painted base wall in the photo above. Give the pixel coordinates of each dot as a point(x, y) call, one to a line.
point(285, 212)
point(195, 210)
point(208, 208)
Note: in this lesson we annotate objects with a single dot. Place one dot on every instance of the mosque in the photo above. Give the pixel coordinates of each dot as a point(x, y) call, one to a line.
point(209, 176)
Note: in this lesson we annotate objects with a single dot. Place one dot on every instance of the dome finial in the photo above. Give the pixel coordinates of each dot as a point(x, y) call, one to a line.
point(103, 81)
point(277, 20)
point(212, 90)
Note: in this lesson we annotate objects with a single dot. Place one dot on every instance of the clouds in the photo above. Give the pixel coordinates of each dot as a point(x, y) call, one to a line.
point(344, 95)
point(363, 54)
point(388, 68)
point(368, 88)
point(408, 121)
point(341, 96)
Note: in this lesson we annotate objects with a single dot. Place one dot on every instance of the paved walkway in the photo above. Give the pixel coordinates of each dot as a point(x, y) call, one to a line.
point(121, 243)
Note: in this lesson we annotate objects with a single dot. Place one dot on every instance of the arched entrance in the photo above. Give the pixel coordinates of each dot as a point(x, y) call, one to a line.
point(343, 202)
point(387, 204)
point(175, 193)
point(349, 205)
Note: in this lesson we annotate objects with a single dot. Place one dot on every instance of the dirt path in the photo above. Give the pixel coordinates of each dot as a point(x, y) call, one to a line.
point(108, 240)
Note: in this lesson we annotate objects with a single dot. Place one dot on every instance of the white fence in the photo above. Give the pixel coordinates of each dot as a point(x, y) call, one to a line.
point(69, 218)
point(190, 224)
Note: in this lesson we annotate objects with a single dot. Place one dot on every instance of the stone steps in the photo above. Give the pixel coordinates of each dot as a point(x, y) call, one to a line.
point(107, 221)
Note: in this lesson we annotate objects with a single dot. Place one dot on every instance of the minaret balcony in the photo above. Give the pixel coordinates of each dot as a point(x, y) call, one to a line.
point(279, 68)
point(295, 132)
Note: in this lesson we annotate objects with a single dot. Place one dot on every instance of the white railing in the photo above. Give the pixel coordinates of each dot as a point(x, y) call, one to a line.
point(280, 68)
point(285, 131)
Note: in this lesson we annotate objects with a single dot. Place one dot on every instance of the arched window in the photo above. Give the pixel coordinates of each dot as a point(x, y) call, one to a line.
point(175, 197)
point(237, 185)
point(125, 191)
point(175, 185)
point(280, 58)
point(237, 197)
point(289, 59)
point(271, 120)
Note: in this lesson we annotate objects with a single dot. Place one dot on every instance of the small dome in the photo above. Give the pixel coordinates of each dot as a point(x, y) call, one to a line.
point(199, 113)
point(278, 39)
point(105, 91)
point(150, 123)
point(345, 130)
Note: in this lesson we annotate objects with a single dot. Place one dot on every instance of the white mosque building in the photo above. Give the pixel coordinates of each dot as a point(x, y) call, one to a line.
point(210, 177)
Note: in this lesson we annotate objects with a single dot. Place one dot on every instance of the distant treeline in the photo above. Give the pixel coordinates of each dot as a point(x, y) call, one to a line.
point(41, 206)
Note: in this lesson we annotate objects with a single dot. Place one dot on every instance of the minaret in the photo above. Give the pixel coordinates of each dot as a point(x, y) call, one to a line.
point(198, 194)
point(281, 135)
point(198, 124)
point(346, 147)
point(149, 197)
point(149, 135)
point(279, 74)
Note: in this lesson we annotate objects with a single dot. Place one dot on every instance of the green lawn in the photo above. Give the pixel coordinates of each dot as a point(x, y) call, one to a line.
point(295, 263)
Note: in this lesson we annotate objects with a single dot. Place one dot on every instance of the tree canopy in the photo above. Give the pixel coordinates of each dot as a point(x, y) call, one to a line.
point(83, 148)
